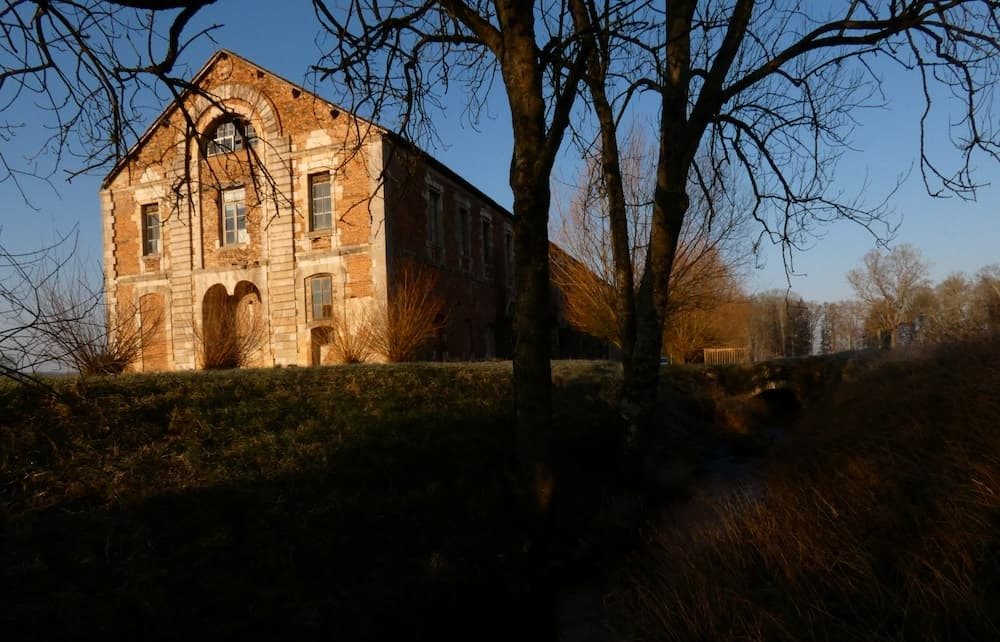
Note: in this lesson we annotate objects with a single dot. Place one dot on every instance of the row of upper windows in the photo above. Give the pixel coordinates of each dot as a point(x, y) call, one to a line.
point(233, 134)
point(234, 215)
point(436, 236)
point(234, 222)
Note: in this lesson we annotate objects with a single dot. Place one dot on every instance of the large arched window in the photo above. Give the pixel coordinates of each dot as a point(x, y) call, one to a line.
point(230, 134)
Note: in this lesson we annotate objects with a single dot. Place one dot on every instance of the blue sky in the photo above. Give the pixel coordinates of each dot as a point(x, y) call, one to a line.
point(954, 235)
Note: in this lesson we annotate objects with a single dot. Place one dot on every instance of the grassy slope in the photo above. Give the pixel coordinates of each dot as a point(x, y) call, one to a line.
point(374, 502)
point(878, 519)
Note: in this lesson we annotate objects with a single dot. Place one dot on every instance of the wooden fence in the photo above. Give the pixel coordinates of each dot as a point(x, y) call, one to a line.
point(726, 356)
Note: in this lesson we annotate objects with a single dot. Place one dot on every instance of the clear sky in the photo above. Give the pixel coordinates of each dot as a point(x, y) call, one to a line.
point(954, 235)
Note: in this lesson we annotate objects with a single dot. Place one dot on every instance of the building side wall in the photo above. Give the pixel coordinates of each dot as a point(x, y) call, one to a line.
point(477, 285)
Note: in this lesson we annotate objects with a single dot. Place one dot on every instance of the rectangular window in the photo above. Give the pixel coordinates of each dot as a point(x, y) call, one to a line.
point(150, 229)
point(234, 216)
point(508, 254)
point(435, 231)
point(487, 245)
point(320, 203)
point(321, 297)
point(463, 236)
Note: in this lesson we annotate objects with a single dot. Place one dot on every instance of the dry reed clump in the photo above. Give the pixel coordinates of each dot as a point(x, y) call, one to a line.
point(402, 328)
point(878, 520)
point(232, 334)
point(350, 337)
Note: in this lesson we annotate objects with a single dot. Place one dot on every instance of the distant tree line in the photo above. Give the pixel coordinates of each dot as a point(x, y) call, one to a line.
point(896, 304)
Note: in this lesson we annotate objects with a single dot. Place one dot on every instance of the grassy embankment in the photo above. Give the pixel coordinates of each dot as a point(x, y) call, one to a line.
point(368, 501)
point(380, 503)
point(878, 518)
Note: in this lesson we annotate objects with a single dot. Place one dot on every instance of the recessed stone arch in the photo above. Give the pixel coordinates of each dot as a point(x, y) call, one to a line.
point(233, 330)
point(216, 327)
point(320, 341)
point(242, 100)
point(153, 347)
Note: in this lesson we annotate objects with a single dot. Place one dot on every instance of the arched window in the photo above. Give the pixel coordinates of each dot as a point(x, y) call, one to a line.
point(230, 134)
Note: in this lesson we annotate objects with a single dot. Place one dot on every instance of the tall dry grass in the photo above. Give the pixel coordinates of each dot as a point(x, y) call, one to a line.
point(403, 327)
point(878, 519)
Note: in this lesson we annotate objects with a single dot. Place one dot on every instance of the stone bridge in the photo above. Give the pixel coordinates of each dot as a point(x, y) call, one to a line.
point(805, 378)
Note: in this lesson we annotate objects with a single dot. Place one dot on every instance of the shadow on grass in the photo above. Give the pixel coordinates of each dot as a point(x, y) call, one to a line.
point(156, 507)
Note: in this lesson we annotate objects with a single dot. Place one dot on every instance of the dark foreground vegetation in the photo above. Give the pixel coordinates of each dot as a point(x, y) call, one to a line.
point(877, 518)
point(367, 502)
point(374, 502)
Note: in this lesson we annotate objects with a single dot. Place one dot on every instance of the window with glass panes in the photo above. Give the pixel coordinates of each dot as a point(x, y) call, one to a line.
point(508, 254)
point(321, 297)
point(234, 216)
point(463, 234)
point(150, 229)
point(487, 244)
point(231, 135)
point(435, 231)
point(320, 202)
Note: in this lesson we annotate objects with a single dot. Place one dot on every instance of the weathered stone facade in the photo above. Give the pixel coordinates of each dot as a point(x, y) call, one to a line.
point(259, 197)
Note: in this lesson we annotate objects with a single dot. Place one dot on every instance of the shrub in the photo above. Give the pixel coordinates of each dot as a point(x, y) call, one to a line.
point(404, 326)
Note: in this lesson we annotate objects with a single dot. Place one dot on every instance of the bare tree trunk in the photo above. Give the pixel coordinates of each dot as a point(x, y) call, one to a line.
point(585, 14)
point(618, 223)
point(529, 180)
point(670, 204)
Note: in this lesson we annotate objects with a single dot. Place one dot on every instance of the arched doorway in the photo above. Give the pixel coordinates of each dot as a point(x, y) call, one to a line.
point(233, 330)
point(152, 332)
point(320, 338)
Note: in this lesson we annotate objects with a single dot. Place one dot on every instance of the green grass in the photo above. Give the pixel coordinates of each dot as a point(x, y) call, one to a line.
point(375, 502)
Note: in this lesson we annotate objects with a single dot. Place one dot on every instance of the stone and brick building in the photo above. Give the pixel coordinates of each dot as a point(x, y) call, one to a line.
point(257, 195)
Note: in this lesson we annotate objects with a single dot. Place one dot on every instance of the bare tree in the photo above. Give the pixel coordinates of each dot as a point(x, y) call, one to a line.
point(842, 326)
point(397, 58)
point(88, 337)
point(26, 321)
point(89, 67)
point(710, 256)
point(54, 314)
point(767, 91)
point(950, 311)
point(350, 336)
point(233, 332)
point(988, 296)
point(888, 283)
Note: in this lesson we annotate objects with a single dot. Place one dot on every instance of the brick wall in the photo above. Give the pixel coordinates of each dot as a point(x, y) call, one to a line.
point(376, 225)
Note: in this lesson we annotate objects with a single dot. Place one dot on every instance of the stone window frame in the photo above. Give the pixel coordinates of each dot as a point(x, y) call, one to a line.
point(435, 231)
point(486, 243)
point(508, 252)
point(238, 239)
point(243, 135)
point(464, 236)
point(310, 181)
point(310, 282)
point(151, 247)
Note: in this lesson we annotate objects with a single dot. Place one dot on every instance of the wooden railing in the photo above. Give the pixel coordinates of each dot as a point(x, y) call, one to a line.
point(726, 356)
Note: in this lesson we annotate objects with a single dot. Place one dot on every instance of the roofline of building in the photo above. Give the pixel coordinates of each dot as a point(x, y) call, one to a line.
point(385, 132)
point(195, 80)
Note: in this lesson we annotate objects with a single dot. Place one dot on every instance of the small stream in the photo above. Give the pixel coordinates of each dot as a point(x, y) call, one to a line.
point(723, 472)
